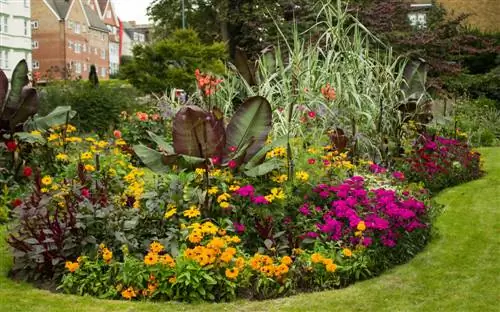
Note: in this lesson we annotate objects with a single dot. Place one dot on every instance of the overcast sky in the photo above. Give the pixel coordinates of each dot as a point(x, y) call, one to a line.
point(132, 10)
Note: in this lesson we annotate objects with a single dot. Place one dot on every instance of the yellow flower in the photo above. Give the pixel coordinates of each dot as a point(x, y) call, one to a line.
point(347, 252)
point(302, 176)
point(240, 262)
point(213, 190)
point(44, 190)
point(227, 256)
point(53, 137)
point(358, 233)
point(107, 255)
point(235, 239)
point(46, 180)
point(286, 260)
point(120, 142)
point(156, 247)
point(278, 193)
point(223, 197)
point(86, 156)
point(232, 273)
point(361, 226)
point(224, 205)
point(74, 139)
point(280, 179)
point(170, 213)
point(199, 171)
point(195, 237)
point(112, 172)
point(102, 144)
point(172, 280)
point(209, 228)
point(72, 266)
point(62, 157)
point(192, 212)
point(281, 269)
point(297, 251)
point(234, 188)
point(89, 168)
point(151, 258)
point(167, 260)
point(216, 243)
point(55, 187)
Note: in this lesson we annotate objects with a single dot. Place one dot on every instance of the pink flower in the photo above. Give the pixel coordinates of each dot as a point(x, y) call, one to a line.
point(142, 116)
point(232, 149)
point(155, 117)
point(215, 160)
point(232, 164)
point(311, 114)
point(398, 175)
point(260, 200)
point(117, 134)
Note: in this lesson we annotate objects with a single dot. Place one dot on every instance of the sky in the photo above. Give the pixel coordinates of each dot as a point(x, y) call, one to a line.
point(132, 10)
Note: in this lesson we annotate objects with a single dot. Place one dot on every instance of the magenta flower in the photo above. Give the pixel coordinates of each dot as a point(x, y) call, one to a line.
point(398, 175)
point(232, 164)
point(246, 191)
point(304, 209)
point(239, 228)
point(260, 200)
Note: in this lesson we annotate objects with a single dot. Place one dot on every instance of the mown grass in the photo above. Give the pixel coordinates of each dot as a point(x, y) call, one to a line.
point(458, 271)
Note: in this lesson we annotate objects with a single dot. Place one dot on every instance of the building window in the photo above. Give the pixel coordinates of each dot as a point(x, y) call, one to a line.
point(34, 24)
point(71, 25)
point(103, 36)
point(84, 67)
point(26, 3)
point(108, 14)
point(36, 65)
point(70, 44)
point(77, 28)
point(78, 48)
point(4, 59)
point(34, 44)
point(26, 29)
point(418, 20)
point(103, 54)
point(103, 72)
point(78, 68)
point(84, 48)
point(4, 23)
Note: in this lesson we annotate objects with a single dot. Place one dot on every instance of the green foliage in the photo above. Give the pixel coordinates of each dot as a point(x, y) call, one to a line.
point(171, 62)
point(98, 109)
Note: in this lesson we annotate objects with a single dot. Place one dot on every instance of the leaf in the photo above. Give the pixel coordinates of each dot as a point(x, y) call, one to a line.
point(4, 88)
point(30, 138)
point(151, 158)
point(241, 63)
point(28, 107)
point(55, 118)
point(162, 145)
point(263, 168)
point(17, 82)
point(268, 243)
point(252, 121)
point(261, 154)
point(198, 133)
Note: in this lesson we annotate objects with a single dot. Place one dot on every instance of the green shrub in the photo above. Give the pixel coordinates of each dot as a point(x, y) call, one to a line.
point(98, 108)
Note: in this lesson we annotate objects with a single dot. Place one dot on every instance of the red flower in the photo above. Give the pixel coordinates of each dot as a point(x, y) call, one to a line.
point(155, 117)
point(311, 114)
point(232, 164)
point(311, 161)
point(216, 160)
point(16, 202)
point(11, 146)
point(117, 134)
point(85, 192)
point(232, 149)
point(27, 171)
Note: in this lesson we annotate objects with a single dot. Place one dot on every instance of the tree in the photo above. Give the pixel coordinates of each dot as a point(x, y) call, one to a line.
point(171, 62)
point(248, 24)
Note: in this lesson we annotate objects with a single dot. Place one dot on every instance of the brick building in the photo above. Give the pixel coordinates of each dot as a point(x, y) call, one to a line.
point(68, 37)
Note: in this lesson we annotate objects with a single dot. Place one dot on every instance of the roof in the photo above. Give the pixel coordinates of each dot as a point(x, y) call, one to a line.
point(94, 19)
point(102, 5)
point(60, 7)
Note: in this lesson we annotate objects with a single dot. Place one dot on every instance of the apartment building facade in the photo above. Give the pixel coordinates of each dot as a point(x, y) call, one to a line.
point(133, 34)
point(68, 37)
point(15, 34)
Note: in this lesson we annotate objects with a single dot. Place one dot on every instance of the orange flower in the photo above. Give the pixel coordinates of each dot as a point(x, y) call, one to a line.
point(167, 260)
point(347, 252)
point(328, 92)
point(316, 258)
point(156, 247)
point(232, 273)
point(129, 293)
point(286, 260)
point(72, 266)
point(361, 226)
point(331, 267)
point(142, 116)
point(151, 259)
point(107, 255)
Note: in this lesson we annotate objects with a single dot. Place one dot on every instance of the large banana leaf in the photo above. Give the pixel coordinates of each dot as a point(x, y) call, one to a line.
point(264, 168)
point(55, 118)
point(198, 133)
point(261, 154)
point(18, 81)
point(151, 158)
point(28, 108)
point(4, 87)
point(161, 143)
point(251, 122)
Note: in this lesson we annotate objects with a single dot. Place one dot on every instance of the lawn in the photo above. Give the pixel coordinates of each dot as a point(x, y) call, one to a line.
point(458, 271)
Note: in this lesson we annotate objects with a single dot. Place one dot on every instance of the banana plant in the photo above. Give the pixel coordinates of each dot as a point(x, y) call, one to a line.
point(199, 135)
point(21, 102)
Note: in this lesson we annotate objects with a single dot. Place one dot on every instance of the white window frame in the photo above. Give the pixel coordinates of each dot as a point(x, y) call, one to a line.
point(77, 29)
point(34, 44)
point(4, 23)
point(6, 59)
point(78, 68)
point(71, 24)
point(35, 64)
point(103, 54)
point(78, 48)
point(26, 28)
point(35, 24)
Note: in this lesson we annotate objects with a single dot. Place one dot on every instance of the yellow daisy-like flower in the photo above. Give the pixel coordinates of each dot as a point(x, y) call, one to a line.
point(302, 176)
point(70, 128)
point(44, 190)
point(86, 156)
point(46, 180)
point(347, 252)
point(112, 172)
point(72, 266)
point(234, 188)
point(53, 137)
point(120, 142)
point(199, 171)
point(156, 247)
point(107, 255)
point(151, 258)
point(170, 213)
point(224, 205)
point(74, 140)
point(192, 212)
point(223, 197)
point(278, 193)
point(332, 267)
point(62, 157)
point(286, 260)
point(213, 190)
point(361, 226)
point(280, 179)
point(316, 258)
point(232, 273)
point(89, 168)
point(102, 144)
